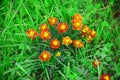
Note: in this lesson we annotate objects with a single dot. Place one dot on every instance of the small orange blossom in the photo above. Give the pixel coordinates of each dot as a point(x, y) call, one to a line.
point(45, 35)
point(66, 40)
point(62, 27)
point(43, 27)
point(52, 21)
point(77, 24)
point(55, 43)
point(31, 33)
point(45, 56)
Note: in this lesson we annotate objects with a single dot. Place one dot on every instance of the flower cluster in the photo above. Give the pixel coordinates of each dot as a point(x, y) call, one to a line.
point(90, 34)
point(62, 27)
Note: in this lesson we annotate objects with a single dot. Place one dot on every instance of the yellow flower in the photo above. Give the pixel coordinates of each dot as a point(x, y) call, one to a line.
point(58, 54)
point(66, 40)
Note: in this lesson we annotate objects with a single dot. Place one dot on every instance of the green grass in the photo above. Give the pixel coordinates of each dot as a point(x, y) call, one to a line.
point(19, 54)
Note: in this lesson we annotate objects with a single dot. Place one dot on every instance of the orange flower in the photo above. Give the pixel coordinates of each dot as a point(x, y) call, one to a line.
point(62, 27)
point(89, 38)
point(66, 40)
point(85, 30)
point(52, 21)
point(105, 77)
point(43, 27)
point(77, 24)
point(78, 43)
point(55, 43)
point(93, 33)
point(45, 35)
point(96, 63)
point(77, 16)
point(31, 33)
point(45, 56)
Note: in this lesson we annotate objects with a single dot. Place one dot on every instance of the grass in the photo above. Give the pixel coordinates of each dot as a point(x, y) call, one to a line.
point(19, 54)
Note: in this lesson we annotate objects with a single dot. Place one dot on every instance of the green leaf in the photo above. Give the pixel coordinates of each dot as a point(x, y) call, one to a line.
point(117, 69)
point(108, 59)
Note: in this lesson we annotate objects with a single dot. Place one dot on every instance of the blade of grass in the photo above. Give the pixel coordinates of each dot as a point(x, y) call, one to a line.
point(19, 66)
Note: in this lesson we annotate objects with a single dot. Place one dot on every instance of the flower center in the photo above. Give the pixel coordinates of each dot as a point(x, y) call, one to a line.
point(53, 20)
point(83, 30)
point(96, 63)
point(55, 42)
point(77, 17)
point(106, 78)
point(31, 33)
point(93, 32)
point(77, 42)
point(63, 27)
point(67, 40)
point(86, 29)
point(45, 34)
point(45, 56)
point(43, 27)
point(77, 24)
